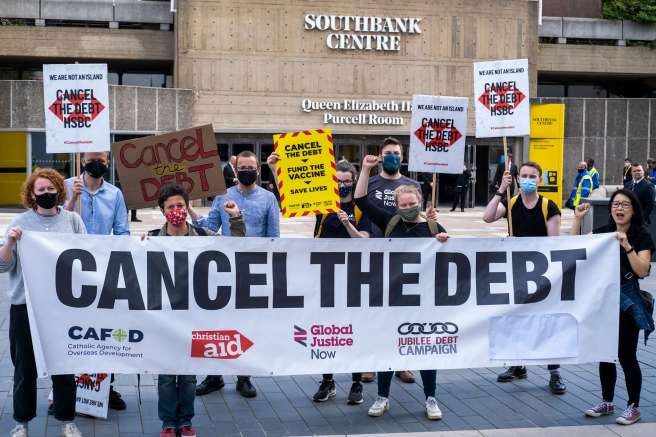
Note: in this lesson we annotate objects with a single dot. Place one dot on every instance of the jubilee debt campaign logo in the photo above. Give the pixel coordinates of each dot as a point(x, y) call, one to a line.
point(222, 345)
point(427, 338)
point(323, 339)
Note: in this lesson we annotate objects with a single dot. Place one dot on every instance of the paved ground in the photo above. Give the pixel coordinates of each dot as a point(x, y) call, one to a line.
point(472, 402)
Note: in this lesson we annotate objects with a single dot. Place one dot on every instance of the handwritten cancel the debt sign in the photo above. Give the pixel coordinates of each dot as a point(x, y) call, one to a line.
point(188, 158)
point(438, 129)
point(306, 174)
point(501, 98)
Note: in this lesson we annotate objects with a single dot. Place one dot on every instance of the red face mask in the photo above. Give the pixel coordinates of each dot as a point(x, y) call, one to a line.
point(176, 216)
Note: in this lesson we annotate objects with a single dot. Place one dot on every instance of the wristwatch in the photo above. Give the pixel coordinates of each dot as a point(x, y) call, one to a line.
point(499, 194)
point(630, 250)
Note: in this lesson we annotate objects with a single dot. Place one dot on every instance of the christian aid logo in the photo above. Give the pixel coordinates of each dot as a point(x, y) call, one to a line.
point(222, 345)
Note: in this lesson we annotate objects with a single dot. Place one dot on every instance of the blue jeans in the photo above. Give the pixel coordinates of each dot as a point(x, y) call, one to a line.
point(175, 404)
point(428, 379)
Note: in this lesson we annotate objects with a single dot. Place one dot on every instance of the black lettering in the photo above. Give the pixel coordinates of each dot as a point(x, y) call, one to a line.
point(64, 278)
point(568, 259)
point(397, 278)
point(245, 279)
point(280, 297)
point(521, 277)
point(484, 278)
point(355, 278)
point(463, 279)
point(177, 289)
point(201, 283)
point(121, 262)
point(327, 262)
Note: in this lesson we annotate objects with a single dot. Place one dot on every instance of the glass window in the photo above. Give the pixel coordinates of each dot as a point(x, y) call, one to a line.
point(144, 79)
point(62, 162)
point(224, 151)
point(112, 78)
point(551, 90)
point(586, 90)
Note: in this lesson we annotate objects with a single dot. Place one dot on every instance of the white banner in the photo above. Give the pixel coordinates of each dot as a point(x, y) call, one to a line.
point(501, 98)
point(92, 394)
point(257, 306)
point(76, 104)
point(438, 130)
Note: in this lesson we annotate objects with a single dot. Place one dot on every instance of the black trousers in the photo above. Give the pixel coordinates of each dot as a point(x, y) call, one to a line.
point(22, 356)
point(356, 377)
point(460, 196)
point(626, 352)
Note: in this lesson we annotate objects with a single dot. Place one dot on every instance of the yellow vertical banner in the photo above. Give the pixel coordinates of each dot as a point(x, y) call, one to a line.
point(546, 147)
point(306, 175)
point(13, 166)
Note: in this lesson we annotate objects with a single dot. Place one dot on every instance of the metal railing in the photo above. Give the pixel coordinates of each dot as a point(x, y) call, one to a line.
point(595, 29)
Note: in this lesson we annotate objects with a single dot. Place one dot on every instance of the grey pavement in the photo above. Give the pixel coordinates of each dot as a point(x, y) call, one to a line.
point(473, 403)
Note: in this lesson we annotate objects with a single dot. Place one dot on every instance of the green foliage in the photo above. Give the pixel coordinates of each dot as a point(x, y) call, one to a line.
point(643, 11)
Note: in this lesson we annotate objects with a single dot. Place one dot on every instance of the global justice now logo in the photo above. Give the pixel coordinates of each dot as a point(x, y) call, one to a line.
point(323, 339)
point(222, 345)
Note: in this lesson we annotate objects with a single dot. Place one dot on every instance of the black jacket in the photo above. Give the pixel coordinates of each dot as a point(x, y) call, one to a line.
point(646, 193)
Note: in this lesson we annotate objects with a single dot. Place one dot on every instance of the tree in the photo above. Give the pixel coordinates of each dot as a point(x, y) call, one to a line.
point(643, 11)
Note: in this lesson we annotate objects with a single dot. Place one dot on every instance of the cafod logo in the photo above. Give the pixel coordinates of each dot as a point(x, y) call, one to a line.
point(119, 335)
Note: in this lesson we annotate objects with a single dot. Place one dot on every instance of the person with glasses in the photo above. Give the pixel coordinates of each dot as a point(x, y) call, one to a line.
point(103, 212)
point(259, 209)
point(636, 246)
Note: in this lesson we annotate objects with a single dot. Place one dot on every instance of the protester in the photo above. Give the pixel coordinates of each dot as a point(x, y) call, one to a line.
point(594, 174)
point(407, 221)
point(229, 172)
point(42, 193)
point(532, 216)
point(501, 168)
point(582, 186)
point(103, 213)
point(627, 170)
point(651, 170)
point(381, 194)
point(348, 222)
point(636, 247)
point(261, 214)
point(462, 185)
point(643, 189)
point(176, 393)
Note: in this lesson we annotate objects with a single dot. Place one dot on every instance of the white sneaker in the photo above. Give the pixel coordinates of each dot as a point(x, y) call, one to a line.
point(19, 431)
point(433, 412)
point(71, 430)
point(379, 407)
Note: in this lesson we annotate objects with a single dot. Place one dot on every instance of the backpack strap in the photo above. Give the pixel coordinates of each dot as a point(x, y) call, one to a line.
point(545, 209)
point(323, 219)
point(392, 224)
point(357, 212)
point(200, 231)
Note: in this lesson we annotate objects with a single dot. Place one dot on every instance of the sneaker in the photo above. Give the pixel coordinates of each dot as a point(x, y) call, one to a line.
point(210, 384)
point(630, 416)
point(406, 376)
point(71, 430)
point(379, 407)
point(245, 387)
point(514, 372)
point(433, 411)
point(368, 377)
point(326, 391)
point(355, 394)
point(115, 401)
point(187, 431)
point(601, 409)
point(51, 409)
point(168, 432)
point(19, 431)
point(556, 384)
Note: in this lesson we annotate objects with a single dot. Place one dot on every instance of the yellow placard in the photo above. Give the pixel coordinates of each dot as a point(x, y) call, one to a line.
point(548, 120)
point(306, 172)
point(546, 147)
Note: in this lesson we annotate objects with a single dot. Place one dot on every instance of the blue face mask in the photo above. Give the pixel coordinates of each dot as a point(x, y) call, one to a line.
point(391, 163)
point(344, 190)
point(502, 160)
point(528, 185)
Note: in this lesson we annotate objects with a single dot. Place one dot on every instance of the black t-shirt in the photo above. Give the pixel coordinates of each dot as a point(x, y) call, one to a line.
point(381, 195)
point(639, 240)
point(381, 217)
point(530, 222)
point(333, 228)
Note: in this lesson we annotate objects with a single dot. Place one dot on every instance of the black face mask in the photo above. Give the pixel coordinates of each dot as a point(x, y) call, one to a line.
point(247, 177)
point(581, 170)
point(95, 169)
point(46, 200)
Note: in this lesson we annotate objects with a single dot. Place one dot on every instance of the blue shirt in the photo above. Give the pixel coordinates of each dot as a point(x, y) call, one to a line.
point(104, 211)
point(259, 208)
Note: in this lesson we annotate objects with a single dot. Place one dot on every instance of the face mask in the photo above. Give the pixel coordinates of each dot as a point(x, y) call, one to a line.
point(409, 214)
point(345, 190)
point(176, 216)
point(46, 200)
point(391, 163)
point(247, 177)
point(95, 169)
point(581, 170)
point(528, 185)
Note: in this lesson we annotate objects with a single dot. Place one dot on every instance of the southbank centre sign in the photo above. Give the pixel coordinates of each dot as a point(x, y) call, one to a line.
point(348, 32)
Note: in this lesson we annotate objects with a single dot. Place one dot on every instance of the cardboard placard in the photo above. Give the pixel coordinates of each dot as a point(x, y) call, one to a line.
point(306, 173)
point(76, 104)
point(501, 98)
point(187, 157)
point(438, 130)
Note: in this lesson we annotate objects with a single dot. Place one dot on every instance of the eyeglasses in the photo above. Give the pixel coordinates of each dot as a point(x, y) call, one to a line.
point(345, 183)
point(623, 205)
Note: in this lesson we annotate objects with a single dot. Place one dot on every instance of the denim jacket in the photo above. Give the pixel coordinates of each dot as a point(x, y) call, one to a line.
point(631, 301)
